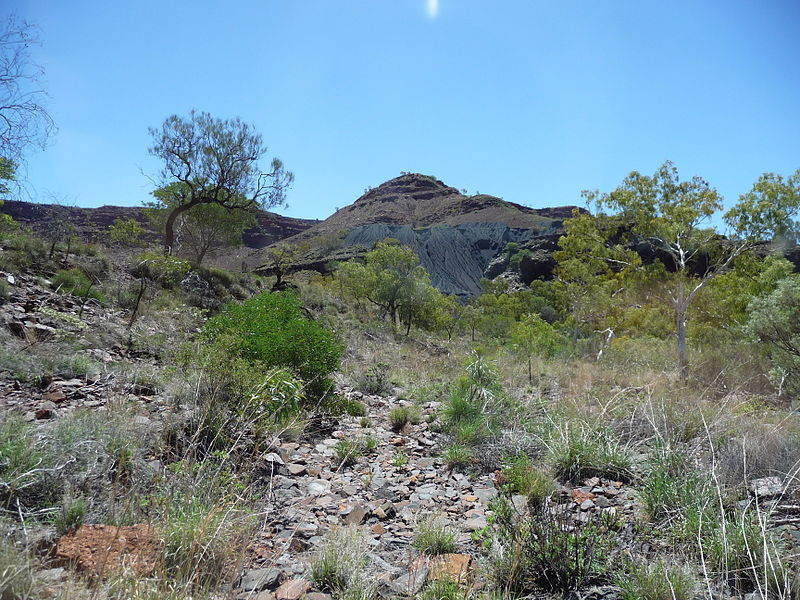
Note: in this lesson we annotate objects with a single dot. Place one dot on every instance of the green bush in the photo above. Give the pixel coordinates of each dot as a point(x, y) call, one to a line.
point(77, 283)
point(401, 416)
point(340, 565)
point(272, 329)
point(657, 581)
point(457, 455)
point(374, 380)
point(434, 536)
point(522, 477)
point(671, 488)
point(581, 452)
point(166, 270)
point(548, 550)
point(21, 461)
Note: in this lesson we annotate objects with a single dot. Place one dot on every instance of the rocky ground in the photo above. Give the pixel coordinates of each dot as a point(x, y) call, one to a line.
point(386, 492)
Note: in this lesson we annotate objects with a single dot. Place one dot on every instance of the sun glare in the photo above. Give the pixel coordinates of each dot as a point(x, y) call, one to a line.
point(432, 8)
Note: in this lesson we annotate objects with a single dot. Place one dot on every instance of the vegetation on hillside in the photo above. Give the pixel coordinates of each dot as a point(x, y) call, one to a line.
point(611, 459)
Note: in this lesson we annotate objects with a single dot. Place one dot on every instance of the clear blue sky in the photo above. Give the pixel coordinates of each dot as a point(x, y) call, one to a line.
point(529, 100)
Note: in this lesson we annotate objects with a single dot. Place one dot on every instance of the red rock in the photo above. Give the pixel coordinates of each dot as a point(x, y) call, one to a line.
point(579, 496)
point(294, 589)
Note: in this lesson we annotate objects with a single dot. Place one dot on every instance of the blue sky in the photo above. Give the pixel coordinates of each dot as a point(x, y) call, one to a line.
point(529, 100)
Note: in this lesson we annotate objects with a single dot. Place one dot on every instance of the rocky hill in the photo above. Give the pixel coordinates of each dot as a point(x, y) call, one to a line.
point(92, 223)
point(456, 236)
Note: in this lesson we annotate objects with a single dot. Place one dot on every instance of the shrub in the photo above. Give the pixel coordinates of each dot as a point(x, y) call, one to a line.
point(347, 452)
point(524, 478)
point(548, 550)
point(434, 537)
point(202, 520)
point(21, 461)
point(457, 455)
point(354, 408)
point(442, 589)
point(374, 380)
point(167, 270)
point(340, 566)
point(401, 416)
point(16, 572)
point(77, 283)
point(580, 452)
point(271, 329)
point(657, 581)
point(71, 514)
point(671, 488)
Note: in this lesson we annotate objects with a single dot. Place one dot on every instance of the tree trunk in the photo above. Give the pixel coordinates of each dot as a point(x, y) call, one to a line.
point(530, 372)
point(680, 321)
point(169, 228)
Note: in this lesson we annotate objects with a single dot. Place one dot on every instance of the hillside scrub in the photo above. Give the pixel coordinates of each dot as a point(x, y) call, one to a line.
point(272, 330)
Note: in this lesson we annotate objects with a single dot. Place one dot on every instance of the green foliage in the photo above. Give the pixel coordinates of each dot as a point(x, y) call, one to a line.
point(548, 550)
point(400, 416)
point(20, 462)
point(348, 451)
point(71, 514)
point(671, 488)
point(457, 456)
point(126, 232)
point(209, 161)
point(578, 452)
point(476, 403)
point(77, 283)
point(657, 581)
point(167, 270)
point(434, 536)
point(340, 565)
point(775, 321)
point(393, 280)
point(522, 477)
point(203, 228)
point(375, 380)
point(442, 589)
point(271, 329)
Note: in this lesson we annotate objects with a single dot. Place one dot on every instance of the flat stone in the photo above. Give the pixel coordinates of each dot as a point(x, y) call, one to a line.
point(587, 504)
point(411, 582)
point(475, 524)
point(766, 487)
point(294, 589)
point(256, 580)
point(318, 487)
point(357, 515)
point(295, 469)
point(450, 567)
point(581, 496)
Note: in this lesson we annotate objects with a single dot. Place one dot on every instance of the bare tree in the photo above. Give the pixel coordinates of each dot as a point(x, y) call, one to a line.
point(24, 121)
point(214, 161)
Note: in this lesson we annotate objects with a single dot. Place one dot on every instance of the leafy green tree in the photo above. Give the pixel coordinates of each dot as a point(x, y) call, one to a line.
point(216, 162)
point(673, 217)
point(775, 321)
point(126, 232)
point(200, 230)
point(391, 278)
point(533, 336)
point(7, 170)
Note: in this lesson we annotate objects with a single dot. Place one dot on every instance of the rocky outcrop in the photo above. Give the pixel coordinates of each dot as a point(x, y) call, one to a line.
point(456, 236)
point(91, 224)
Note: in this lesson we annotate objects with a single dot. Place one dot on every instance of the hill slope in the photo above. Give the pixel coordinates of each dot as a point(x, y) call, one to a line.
point(455, 236)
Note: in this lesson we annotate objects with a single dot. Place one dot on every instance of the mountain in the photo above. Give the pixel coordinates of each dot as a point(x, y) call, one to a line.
point(93, 223)
point(456, 236)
